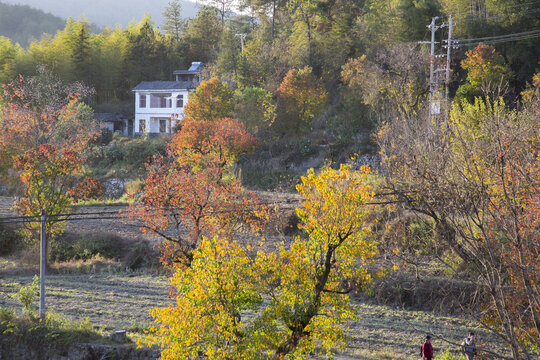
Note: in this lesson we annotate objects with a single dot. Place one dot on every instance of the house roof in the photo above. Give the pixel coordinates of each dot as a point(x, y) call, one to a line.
point(195, 67)
point(163, 85)
point(107, 117)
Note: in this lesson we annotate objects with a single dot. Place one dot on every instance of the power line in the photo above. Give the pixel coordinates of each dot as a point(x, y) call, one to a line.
point(489, 38)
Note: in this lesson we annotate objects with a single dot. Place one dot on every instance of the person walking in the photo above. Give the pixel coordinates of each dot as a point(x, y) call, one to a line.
point(427, 349)
point(468, 346)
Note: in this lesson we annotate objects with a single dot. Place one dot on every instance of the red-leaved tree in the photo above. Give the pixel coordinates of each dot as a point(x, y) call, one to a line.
point(190, 193)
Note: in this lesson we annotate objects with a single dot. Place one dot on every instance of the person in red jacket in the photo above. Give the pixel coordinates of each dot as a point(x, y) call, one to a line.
point(427, 349)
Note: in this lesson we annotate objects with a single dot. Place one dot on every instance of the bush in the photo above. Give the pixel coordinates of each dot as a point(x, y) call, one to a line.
point(9, 240)
point(27, 295)
point(85, 247)
point(125, 157)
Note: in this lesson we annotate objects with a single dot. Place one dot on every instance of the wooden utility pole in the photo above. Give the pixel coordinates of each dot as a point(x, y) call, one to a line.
point(42, 265)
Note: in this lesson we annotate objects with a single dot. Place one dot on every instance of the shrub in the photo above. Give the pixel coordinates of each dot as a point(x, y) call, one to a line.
point(9, 240)
point(88, 189)
point(86, 246)
point(27, 295)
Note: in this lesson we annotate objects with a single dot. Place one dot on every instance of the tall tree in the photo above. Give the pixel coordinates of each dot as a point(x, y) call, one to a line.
point(223, 7)
point(202, 35)
point(44, 126)
point(298, 294)
point(173, 24)
point(476, 176)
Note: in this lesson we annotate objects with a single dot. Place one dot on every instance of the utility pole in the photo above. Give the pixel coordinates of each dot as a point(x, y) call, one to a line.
point(42, 265)
point(448, 55)
point(433, 28)
point(242, 37)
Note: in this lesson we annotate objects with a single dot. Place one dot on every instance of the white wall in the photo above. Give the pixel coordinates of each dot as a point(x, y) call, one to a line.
point(152, 115)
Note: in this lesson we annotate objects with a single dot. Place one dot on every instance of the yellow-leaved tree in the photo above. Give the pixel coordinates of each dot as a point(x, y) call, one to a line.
point(233, 303)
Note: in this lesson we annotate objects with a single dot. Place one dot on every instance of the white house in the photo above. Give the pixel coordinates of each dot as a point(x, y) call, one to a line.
point(159, 105)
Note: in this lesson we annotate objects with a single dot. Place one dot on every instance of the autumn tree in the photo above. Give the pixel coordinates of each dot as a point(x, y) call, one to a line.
point(487, 73)
point(211, 101)
point(311, 301)
point(395, 82)
point(298, 295)
point(190, 193)
point(46, 175)
point(301, 96)
point(476, 176)
point(44, 129)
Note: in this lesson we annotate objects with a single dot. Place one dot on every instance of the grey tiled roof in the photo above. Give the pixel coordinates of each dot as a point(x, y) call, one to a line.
point(163, 85)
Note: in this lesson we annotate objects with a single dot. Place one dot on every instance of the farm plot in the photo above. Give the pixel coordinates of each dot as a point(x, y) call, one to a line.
point(114, 301)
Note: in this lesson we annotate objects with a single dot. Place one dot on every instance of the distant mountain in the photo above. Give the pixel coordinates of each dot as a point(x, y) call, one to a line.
point(105, 13)
point(20, 23)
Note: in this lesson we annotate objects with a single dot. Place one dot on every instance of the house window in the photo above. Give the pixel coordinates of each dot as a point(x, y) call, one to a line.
point(180, 101)
point(142, 125)
point(142, 101)
point(162, 126)
point(160, 100)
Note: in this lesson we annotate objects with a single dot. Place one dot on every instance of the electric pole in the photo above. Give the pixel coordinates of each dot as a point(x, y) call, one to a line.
point(42, 265)
point(242, 38)
point(436, 67)
point(449, 46)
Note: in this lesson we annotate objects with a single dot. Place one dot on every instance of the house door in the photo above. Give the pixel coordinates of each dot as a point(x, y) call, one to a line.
point(130, 127)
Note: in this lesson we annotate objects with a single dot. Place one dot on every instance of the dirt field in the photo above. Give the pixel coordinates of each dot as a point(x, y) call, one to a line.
point(122, 301)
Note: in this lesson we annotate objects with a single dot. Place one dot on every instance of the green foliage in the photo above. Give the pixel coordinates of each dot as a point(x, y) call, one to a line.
point(86, 246)
point(125, 157)
point(255, 108)
point(447, 355)
point(10, 240)
point(202, 35)
point(40, 336)
point(27, 295)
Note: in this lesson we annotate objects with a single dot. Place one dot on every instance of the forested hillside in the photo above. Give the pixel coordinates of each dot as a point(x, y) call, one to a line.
point(21, 23)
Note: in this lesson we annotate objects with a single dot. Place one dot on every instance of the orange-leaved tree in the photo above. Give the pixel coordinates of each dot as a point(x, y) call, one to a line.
point(487, 73)
point(301, 96)
point(189, 193)
point(43, 119)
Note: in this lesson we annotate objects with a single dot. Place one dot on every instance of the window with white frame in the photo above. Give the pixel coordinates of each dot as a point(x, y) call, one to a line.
point(142, 100)
point(162, 100)
point(180, 101)
point(142, 125)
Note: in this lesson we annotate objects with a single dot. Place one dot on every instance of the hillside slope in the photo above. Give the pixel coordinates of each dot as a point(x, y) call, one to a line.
point(105, 13)
point(20, 23)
